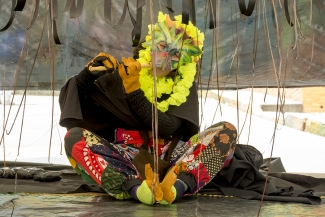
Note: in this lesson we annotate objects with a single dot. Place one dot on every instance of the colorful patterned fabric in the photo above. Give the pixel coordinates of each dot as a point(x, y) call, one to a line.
point(109, 165)
point(131, 141)
point(205, 154)
point(94, 157)
point(128, 137)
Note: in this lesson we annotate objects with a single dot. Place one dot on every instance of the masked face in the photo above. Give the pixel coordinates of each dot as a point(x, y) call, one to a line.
point(165, 57)
point(172, 47)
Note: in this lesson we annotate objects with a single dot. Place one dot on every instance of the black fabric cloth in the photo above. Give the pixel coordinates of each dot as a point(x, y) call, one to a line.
point(71, 182)
point(180, 188)
point(241, 178)
point(188, 179)
point(129, 184)
point(85, 79)
point(167, 124)
point(240, 173)
point(106, 97)
point(294, 187)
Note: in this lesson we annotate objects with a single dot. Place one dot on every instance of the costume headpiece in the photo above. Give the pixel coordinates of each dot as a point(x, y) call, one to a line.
point(184, 40)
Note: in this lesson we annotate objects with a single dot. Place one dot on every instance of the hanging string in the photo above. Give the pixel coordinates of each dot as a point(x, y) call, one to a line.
point(199, 78)
point(282, 96)
point(52, 31)
point(217, 68)
point(256, 28)
point(236, 65)
point(154, 107)
point(313, 39)
point(24, 108)
point(115, 26)
point(35, 13)
point(24, 53)
point(22, 119)
point(278, 85)
point(213, 18)
point(32, 68)
point(4, 110)
point(66, 48)
point(199, 74)
point(15, 77)
point(217, 58)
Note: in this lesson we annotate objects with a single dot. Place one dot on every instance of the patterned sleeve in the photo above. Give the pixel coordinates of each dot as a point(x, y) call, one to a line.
point(167, 124)
point(84, 79)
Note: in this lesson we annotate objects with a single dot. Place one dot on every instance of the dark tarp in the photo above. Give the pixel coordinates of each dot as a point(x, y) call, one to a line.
point(247, 45)
point(240, 178)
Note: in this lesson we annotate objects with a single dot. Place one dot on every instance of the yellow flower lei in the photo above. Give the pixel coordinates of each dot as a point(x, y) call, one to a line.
point(178, 89)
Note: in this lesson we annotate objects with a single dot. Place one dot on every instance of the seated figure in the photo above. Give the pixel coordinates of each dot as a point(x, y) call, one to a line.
point(116, 139)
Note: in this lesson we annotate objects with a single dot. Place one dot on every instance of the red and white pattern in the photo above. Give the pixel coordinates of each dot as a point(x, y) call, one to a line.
point(93, 164)
point(128, 137)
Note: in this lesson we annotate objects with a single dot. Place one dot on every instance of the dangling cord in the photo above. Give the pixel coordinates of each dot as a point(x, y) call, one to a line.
point(313, 39)
point(210, 6)
point(66, 48)
point(23, 115)
point(199, 71)
point(267, 36)
point(23, 54)
point(51, 51)
point(4, 124)
point(4, 109)
point(199, 78)
point(16, 75)
point(295, 24)
point(217, 56)
point(22, 123)
point(116, 26)
point(257, 23)
point(278, 84)
point(154, 110)
point(236, 66)
point(240, 129)
point(61, 144)
point(282, 95)
point(237, 94)
point(213, 44)
point(226, 81)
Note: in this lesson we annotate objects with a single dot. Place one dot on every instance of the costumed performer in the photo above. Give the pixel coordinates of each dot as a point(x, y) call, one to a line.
point(107, 109)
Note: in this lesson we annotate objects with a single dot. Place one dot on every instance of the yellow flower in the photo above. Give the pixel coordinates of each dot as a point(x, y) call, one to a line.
point(161, 17)
point(163, 106)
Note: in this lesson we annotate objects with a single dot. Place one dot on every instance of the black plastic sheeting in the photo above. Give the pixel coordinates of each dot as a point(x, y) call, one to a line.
point(72, 183)
point(92, 205)
point(243, 51)
point(71, 196)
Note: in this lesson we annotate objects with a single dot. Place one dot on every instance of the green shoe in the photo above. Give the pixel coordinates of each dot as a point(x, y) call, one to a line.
point(145, 194)
point(164, 202)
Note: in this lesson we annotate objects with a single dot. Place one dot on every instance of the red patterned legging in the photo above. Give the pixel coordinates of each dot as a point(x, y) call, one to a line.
point(109, 165)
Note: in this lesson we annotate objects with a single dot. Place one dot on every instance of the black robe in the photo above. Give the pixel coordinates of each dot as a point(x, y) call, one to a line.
point(104, 108)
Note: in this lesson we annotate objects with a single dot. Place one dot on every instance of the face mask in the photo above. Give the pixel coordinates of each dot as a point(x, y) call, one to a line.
point(175, 44)
point(165, 59)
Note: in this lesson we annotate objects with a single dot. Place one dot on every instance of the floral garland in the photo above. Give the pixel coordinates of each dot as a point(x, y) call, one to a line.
point(179, 87)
